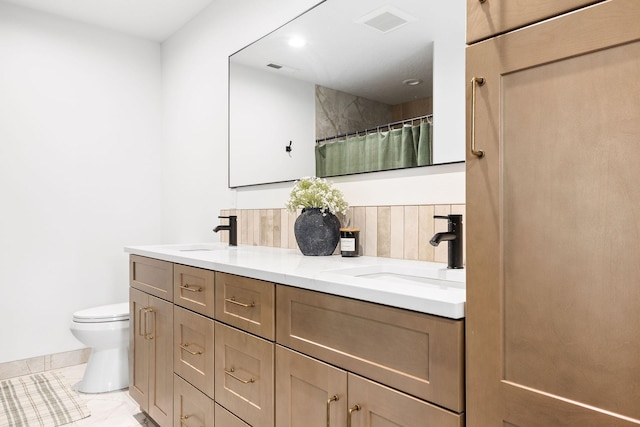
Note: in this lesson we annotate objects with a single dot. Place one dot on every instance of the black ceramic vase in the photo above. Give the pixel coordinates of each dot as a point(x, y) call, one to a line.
point(317, 234)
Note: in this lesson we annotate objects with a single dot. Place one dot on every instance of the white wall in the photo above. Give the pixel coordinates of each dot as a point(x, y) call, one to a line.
point(195, 80)
point(79, 172)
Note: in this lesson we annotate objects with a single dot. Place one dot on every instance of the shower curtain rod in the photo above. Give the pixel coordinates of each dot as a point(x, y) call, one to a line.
point(377, 128)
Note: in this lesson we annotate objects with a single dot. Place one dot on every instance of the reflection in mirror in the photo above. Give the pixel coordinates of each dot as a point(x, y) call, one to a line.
point(354, 95)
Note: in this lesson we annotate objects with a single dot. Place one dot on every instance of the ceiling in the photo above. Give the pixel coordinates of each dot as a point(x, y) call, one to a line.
point(153, 20)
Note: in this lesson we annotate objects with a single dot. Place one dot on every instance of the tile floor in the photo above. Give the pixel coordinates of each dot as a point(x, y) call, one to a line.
point(114, 409)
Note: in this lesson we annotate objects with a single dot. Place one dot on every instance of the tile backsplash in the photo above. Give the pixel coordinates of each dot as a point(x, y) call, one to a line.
point(401, 232)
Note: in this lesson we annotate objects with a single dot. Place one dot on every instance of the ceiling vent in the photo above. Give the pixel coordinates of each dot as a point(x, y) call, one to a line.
point(385, 19)
point(276, 66)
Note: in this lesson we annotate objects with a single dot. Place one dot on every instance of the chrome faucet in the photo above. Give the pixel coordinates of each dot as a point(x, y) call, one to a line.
point(454, 237)
point(232, 228)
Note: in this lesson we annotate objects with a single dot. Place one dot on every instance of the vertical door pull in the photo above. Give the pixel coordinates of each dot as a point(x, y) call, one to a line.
point(353, 409)
point(476, 81)
point(329, 401)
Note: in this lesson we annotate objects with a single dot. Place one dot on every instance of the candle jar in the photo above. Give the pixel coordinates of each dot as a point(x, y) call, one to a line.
point(349, 242)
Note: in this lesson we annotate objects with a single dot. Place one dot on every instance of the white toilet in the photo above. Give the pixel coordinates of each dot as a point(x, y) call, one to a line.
point(105, 330)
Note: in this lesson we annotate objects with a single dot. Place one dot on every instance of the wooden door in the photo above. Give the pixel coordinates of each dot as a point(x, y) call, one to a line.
point(160, 340)
point(553, 223)
point(139, 349)
point(310, 393)
point(374, 405)
point(486, 18)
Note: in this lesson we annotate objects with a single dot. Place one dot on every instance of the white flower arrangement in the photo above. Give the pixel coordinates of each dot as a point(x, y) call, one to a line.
point(313, 192)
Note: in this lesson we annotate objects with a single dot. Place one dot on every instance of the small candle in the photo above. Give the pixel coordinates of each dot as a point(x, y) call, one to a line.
point(349, 242)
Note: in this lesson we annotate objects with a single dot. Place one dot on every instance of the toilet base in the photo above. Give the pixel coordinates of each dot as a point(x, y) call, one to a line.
point(107, 370)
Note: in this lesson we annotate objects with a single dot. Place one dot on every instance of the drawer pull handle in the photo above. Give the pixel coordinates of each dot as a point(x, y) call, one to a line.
point(195, 353)
point(353, 409)
point(232, 300)
point(476, 81)
point(182, 420)
point(329, 401)
point(235, 377)
point(191, 288)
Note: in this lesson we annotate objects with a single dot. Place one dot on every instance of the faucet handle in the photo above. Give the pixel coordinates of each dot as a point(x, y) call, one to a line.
point(441, 216)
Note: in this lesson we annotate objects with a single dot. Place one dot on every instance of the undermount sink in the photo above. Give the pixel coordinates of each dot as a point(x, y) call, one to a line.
point(434, 288)
point(199, 247)
point(392, 273)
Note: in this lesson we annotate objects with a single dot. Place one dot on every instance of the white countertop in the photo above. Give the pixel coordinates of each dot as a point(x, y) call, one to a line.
point(330, 274)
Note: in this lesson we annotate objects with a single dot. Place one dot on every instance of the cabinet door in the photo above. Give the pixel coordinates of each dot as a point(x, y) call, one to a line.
point(193, 349)
point(192, 408)
point(138, 348)
point(491, 17)
point(374, 405)
point(244, 378)
point(310, 393)
point(553, 223)
point(160, 340)
point(193, 288)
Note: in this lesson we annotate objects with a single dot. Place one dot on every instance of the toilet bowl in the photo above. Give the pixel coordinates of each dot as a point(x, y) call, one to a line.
point(105, 329)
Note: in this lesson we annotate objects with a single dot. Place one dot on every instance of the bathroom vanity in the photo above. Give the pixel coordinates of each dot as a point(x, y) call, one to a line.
point(263, 337)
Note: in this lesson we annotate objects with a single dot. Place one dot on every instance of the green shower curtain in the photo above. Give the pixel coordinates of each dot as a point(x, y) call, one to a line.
point(399, 148)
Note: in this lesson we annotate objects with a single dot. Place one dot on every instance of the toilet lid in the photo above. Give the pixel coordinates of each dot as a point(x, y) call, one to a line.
point(104, 313)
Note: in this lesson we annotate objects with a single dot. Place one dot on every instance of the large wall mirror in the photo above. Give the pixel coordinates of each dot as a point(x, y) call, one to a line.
point(347, 87)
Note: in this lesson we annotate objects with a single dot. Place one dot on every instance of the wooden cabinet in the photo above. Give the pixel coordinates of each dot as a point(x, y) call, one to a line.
point(193, 288)
point(417, 353)
point(490, 17)
point(192, 408)
point(310, 393)
point(552, 225)
point(193, 349)
point(246, 303)
point(244, 377)
point(151, 384)
point(210, 356)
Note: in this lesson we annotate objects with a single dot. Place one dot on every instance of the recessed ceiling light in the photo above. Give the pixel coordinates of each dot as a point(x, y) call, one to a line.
point(297, 41)
point(412, 82)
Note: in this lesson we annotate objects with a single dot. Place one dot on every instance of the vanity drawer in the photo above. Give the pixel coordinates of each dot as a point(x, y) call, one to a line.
point(420, 354)
point(225, 418)
point(193, 289)
point(193, 353)
point(246, 303)
point(191, 406)
point(485, 19)
point(152, 276)
point(245, 375)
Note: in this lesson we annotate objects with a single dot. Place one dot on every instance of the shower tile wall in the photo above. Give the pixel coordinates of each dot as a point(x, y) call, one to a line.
point(401, 232)
point(339, 112)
